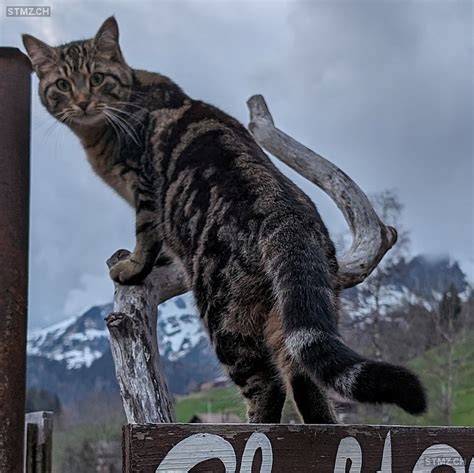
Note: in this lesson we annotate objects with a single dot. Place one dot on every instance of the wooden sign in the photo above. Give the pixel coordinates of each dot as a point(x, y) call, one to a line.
point(238, 448)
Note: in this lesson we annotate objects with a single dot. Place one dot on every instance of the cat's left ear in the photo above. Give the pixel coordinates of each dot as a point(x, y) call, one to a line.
point(41, 55)
point(107, 39)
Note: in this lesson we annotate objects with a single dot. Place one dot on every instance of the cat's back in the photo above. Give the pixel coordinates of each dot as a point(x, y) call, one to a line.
point(200, 138)
point(215, 177)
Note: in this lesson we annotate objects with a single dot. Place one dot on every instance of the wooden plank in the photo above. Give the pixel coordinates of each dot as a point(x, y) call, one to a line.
point(30, 446)
point(207, 448)
point(39, 444)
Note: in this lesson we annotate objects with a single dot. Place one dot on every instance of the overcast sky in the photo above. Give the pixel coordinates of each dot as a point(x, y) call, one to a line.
point(381, 88)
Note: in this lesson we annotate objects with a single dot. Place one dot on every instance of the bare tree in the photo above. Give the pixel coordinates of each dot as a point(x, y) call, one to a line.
point(375, 312)
point(372, 292)
point(451, 323)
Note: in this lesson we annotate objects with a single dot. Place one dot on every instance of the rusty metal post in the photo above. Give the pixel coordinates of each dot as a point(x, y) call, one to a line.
point(15, 94)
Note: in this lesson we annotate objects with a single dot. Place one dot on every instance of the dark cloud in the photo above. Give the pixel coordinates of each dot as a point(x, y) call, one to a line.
point(382, 88)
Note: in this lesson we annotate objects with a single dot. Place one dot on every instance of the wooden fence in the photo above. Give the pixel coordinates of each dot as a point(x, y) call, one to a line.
point(39, 442)
point(182, 448)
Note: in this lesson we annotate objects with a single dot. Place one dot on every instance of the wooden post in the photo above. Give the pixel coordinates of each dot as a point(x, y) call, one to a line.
point(15, 94)
point(134, 344)
point(39, 442)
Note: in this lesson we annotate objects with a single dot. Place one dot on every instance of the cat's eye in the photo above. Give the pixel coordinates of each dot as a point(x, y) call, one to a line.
point(96, 79)
point(63, 85)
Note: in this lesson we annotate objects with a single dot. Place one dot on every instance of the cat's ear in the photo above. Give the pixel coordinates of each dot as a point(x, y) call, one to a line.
point(107, 39)
point(42, 56)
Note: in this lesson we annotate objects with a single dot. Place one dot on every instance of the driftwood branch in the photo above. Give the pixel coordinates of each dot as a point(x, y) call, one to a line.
point(134, 344)
point(371, 239)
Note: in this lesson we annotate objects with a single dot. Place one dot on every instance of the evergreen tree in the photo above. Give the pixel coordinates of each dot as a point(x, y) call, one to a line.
point(38, 399)
point(450, 308)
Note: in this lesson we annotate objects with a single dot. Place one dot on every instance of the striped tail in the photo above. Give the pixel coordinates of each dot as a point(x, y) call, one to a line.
point(309, 313)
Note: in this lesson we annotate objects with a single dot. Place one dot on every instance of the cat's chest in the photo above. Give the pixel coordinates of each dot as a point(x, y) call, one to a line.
point(121, 178)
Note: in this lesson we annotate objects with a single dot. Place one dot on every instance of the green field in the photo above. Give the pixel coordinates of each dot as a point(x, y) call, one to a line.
point(432, 369)
point(225, 400)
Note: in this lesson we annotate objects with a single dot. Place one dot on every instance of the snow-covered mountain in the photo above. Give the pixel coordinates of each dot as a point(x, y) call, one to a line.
point(78, 341)
point(420, 281)
point(78, 349)
point(73, 357)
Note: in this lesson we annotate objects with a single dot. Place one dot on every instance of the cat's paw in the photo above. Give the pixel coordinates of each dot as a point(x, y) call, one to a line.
point(128, 271)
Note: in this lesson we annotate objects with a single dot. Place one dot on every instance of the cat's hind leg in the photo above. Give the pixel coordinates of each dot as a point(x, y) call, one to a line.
point(311, 400)
point(251, 368)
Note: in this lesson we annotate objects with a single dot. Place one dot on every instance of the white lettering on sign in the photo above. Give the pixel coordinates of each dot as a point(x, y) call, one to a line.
point(349, 449)
point(199, 448)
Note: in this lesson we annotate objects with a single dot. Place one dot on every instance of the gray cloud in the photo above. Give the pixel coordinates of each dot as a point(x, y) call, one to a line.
point(381, 88)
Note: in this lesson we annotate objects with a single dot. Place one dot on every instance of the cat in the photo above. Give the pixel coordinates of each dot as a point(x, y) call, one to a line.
point(258, 257)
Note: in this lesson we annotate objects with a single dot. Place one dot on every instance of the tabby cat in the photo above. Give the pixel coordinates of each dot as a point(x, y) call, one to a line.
point(256, 253)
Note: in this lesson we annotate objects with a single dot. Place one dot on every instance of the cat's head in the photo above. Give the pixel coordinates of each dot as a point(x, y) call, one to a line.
point(81, 79)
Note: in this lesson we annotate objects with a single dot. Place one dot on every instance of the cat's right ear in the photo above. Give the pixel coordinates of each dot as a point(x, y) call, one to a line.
point(41, 55)
point(107, 39)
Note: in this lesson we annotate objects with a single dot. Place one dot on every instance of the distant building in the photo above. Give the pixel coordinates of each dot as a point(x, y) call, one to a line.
point(347, 412)
point(215, 418)
point(220, 382)
point(108, 456)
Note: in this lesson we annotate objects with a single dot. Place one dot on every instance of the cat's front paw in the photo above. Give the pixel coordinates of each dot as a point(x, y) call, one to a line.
point(128, 271)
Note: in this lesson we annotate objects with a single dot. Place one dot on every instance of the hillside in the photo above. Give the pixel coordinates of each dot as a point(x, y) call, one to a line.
point(432, 369)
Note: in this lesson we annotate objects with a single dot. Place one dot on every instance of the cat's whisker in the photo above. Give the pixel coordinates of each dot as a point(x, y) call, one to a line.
point(49, 120)
point(131, 105)
point(60, 118)
point(127, 128)
point(46, 121)
point(116, 124)
point(127, 114)
point(114, 127)
point(49, 131)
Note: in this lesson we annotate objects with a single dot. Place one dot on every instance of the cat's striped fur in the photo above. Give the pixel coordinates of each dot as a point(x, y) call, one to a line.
point(255, 250)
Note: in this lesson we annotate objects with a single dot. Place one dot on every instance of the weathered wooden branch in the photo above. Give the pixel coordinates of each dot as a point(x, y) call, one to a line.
point(134, 344)
point(371, 238)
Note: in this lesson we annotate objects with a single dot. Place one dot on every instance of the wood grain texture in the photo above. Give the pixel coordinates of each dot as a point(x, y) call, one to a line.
point(134, 345)
point(295, 448)
point(39, 442)
point(30, 447)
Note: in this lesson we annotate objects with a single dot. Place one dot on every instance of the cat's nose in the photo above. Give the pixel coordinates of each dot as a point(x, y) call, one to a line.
point(83, 104)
